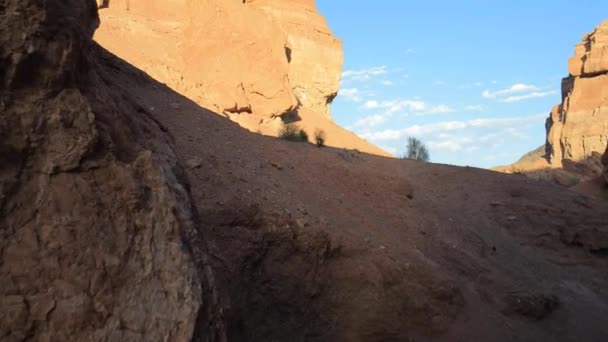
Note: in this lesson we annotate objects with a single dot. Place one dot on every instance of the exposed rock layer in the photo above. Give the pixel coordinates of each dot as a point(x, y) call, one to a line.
point(315, 56)
point(282, 61)
point(577, 129)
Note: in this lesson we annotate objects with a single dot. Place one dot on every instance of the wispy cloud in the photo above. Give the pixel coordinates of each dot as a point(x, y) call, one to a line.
point(472, 85)
point(514, 89)
point(370, 121)
point(452, 143)
point(371, 104)
point(532, 95)
point(473, 108)
point(350, 94)
point(517, 92)
point(387, 82)
point(364, 74)
point(411, 106)
point(449, 126)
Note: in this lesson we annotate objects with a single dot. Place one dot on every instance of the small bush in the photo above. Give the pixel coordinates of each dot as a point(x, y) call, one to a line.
point(288, 132)
point(320, 137)
point(302, 135)
point(292, 133)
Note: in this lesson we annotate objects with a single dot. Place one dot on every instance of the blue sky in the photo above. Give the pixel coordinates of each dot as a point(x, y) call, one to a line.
point(475, 80)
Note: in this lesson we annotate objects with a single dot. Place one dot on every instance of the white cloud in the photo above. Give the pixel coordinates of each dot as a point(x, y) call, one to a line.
point(364, 74)
point(514, 89)
point(439, 83)
point(533, 95)
point(387, 83)
point(451, 145)
point(461, 139)
point(472, 85)
point(370, 121)
point(517, 92)
point(414, 106)
point(438, 128)
point(350, 94)
point(474, 108)
point(371, 104)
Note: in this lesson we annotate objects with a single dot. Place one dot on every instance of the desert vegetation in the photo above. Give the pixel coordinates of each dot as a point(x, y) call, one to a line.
point(320, 137)
point(293, 133)
point(416, 150)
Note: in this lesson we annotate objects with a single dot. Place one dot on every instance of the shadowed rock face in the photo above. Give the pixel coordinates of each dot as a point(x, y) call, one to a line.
point(92, 214)
point(578, 128)
point(605, 162)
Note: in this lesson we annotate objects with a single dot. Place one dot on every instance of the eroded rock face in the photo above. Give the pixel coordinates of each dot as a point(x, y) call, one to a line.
point(262, 58)
point(259, 63)
point(315, 55)
point(92, 214)
point(577, 129)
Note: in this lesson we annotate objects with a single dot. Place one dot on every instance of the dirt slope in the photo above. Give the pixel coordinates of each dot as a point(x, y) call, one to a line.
point(327, 244)
point(297, 243)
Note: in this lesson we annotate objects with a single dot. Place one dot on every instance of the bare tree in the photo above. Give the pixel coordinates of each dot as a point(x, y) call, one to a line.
point(416, 150)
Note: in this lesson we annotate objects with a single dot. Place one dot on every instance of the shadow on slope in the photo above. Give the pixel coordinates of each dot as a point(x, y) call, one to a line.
point(584, 176)
point(328, 244)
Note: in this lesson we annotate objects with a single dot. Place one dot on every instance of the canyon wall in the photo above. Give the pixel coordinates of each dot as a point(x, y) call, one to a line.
point(577, 129)
point(253, 61)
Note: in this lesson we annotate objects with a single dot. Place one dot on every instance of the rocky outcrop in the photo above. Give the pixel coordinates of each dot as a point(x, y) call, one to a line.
point(93, 215)
point(577, 129)
point(280, 65)
point(281, 57)
point(315, 56)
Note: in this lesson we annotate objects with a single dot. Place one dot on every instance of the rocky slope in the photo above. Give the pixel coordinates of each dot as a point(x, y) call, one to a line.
point(130, 213)
point(281, 64)
point(577, 128)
